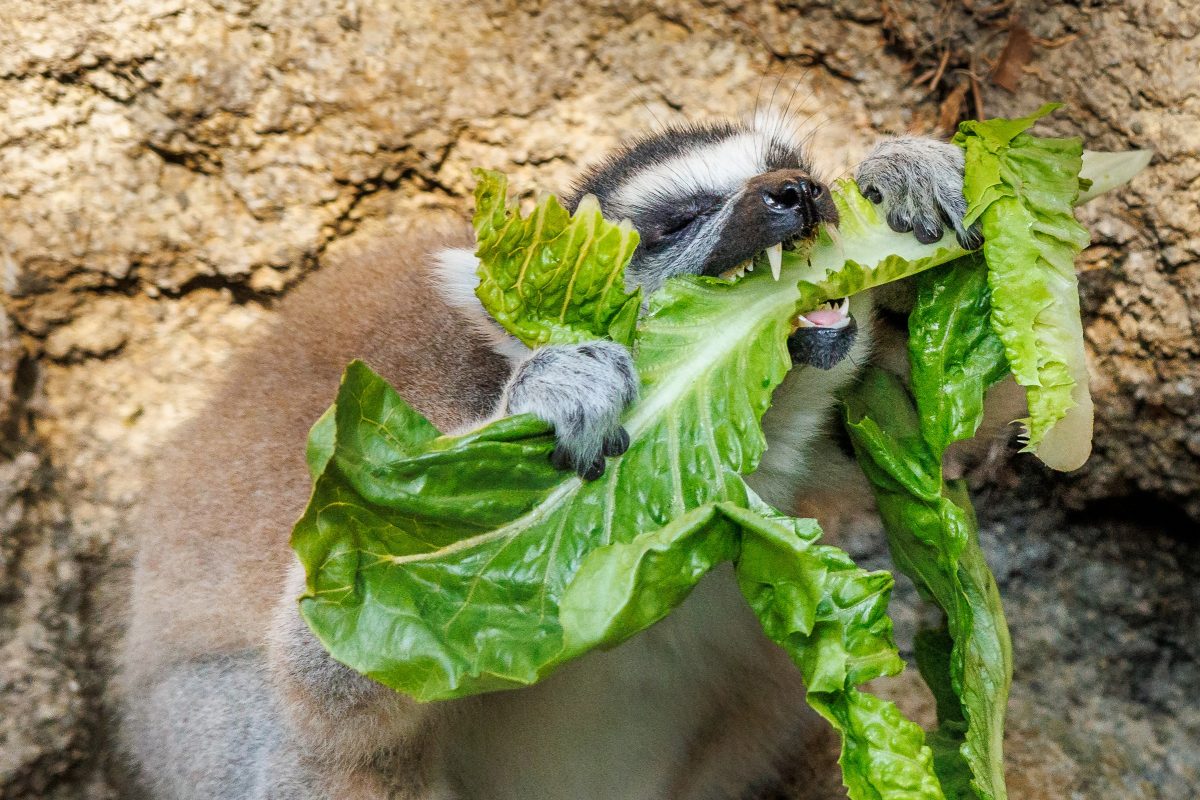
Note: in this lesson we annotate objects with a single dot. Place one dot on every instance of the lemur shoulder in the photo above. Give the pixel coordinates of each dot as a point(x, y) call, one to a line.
point(227, 694)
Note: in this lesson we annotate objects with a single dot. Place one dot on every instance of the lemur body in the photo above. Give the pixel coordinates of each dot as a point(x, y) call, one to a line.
point(228, 694)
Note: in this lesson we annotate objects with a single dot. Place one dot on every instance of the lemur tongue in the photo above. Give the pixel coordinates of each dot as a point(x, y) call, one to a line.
point(824, 317)
point(831, 314)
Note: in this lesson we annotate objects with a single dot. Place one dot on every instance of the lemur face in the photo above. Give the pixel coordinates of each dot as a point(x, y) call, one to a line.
point(706, 199)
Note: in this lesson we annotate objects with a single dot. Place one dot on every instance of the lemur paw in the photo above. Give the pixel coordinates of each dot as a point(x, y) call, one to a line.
point(581, 390)
point(919, 180)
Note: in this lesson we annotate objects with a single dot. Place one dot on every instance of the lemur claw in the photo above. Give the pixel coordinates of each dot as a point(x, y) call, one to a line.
point(919, 180)
point(592, 471)
point(561, 458)
point(617, 443)
point(972, 239)
point(581, 390)
point(614, 445)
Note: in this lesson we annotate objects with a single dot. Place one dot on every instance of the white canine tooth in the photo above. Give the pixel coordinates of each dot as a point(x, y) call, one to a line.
point(748, 265)
point(802, 322)
point(775, 256)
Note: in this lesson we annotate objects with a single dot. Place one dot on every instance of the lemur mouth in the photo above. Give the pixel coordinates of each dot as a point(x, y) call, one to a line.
point(830, 315)
point(771, 256)
point(824, 336)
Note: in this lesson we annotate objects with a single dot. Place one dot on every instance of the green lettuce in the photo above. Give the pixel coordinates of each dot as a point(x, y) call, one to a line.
point(436, 564)
point(445, 566)
point(1022, 190)
point(900, 440)
point(553, 277)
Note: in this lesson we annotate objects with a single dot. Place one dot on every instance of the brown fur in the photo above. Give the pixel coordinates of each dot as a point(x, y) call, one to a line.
point(232, 482)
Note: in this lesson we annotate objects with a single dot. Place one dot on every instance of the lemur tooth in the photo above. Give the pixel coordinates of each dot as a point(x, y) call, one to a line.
point(734, 272)
point(775, 256)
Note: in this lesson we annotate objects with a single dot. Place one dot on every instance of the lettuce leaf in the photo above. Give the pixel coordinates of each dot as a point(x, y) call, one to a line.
point(865, 252)
point(445, 566)
point(436, 564)
point(954, 357)
point(553, 277)
point(1022, 190)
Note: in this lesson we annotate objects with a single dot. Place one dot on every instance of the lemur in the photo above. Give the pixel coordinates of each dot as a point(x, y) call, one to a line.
point(226, 692)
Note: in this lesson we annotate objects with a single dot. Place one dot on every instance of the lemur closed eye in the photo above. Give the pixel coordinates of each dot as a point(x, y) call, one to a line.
point(226, 692)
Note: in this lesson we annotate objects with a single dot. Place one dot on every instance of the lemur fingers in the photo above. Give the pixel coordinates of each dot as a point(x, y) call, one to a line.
point(581, 390)
point(919, 181)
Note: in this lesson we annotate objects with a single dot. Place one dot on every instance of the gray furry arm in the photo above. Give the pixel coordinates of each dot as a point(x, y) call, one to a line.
point(581, 390)
point(919, 181)
point(338, 715)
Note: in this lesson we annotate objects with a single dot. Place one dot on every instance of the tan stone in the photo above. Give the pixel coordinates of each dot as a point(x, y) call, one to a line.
point(169, 167)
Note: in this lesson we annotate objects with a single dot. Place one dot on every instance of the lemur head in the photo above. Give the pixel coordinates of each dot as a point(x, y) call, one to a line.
point(707, 198)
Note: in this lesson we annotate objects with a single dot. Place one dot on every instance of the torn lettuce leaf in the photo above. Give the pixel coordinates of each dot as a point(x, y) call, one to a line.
point(439, 565)
point(436, 565)
point(865, 252)
point(552, 277)
point(447, 566)
point(954, 358)
point(1022, 189)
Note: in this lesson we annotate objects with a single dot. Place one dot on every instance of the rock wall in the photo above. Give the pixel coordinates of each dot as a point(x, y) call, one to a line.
point(168, 168)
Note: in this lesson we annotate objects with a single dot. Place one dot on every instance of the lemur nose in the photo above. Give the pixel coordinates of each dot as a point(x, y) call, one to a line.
point(791, 193)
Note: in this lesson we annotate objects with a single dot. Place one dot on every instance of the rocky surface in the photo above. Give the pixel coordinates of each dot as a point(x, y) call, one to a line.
point(169, 167)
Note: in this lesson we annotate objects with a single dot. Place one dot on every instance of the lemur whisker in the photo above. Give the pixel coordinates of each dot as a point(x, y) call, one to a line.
point(641, 99)
point(787, 109)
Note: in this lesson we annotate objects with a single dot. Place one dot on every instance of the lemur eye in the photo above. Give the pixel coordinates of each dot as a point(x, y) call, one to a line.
point(678, 225)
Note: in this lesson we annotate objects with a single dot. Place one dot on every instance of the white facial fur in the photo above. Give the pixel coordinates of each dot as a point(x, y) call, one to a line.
point(720, 168)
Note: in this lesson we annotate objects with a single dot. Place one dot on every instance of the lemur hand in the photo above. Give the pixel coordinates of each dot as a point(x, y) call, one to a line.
point(581, 390)
point(919, 181)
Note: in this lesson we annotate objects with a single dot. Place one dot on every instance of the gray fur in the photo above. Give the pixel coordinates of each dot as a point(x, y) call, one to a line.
point(919, 181)
point(581, 390)
point(213, 728)
point(685, 258)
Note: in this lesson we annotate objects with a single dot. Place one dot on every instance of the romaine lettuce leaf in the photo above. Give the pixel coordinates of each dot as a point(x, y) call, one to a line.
point(1022, 190)
point(447, 566)
point(552, 277)
point(954, 357)
point(865, 252)
point(440, 565)
point(436, 565)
